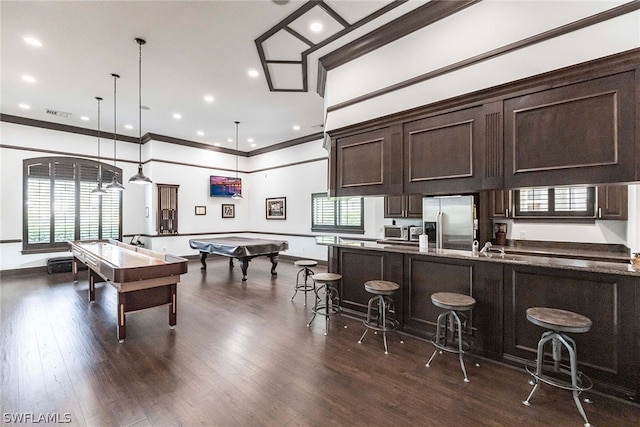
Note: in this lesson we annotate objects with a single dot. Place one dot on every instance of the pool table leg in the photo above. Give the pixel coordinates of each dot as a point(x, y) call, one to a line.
point(122, 320)
point(173, 306)
point(203, 257)
point(244, 265)
point(274, 263)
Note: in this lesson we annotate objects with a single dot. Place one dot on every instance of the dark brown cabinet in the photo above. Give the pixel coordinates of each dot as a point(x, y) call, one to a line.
point(366, 163)
point(403, 206)
point(442, 154)
point(499, 204)
point(612, 202)
point(574, 134)
point(358, 267)
point(606, 353)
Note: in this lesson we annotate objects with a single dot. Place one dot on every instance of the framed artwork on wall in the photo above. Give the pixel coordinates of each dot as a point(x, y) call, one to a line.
point(228, 211)
point(276, 208)
point(201, 210)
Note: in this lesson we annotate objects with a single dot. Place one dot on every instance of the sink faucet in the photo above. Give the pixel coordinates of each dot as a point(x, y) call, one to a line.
point(486, 248)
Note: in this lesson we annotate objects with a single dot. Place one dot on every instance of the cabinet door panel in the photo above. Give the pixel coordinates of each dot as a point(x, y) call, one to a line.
point(363, 163)
point(425, 277)
point(394, 206)
point(612, 202)
point(357, 267)
point(604, 352)
point(571, 135)
point(442, 153)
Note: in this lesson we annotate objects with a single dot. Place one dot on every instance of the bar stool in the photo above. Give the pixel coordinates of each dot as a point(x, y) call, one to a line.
point(327, 283)
point(382, 290)
point(451, 322)
point(559, 321)
point(306, 272)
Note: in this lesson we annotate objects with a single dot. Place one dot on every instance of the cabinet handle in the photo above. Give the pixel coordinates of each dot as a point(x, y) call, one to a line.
point(599, 212)
point(506, 213)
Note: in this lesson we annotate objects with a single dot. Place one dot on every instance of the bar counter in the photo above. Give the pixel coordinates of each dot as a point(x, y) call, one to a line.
point(613, 267)
point(504, 286)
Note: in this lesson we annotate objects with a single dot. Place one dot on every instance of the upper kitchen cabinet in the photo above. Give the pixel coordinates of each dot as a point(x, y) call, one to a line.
point(443, 153)
point(403, 206)
point(574, 134)
point(367, 163)
point(612, 202)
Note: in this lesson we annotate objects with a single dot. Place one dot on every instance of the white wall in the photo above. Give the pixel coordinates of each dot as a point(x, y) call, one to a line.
point(294, 172)
point(475, 30)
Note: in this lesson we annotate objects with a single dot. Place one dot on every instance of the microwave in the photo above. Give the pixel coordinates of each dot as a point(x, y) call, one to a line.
point(396, 232)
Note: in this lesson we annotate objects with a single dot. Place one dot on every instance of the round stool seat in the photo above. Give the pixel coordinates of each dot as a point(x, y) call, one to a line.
point(453, 301)
point(381, 287)
point(326, 277)
point(305, 263)
point(558, 320)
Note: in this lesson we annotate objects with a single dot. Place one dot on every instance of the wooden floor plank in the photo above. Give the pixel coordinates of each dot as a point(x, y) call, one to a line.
point(242, 355)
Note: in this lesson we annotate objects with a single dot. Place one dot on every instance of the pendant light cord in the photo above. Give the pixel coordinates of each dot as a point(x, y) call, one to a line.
point(99, 166)
point(115, 77)
point(140, 43)
point(237, 123)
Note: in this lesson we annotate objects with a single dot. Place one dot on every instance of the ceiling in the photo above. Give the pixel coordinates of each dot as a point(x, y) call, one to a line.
point(193, 49)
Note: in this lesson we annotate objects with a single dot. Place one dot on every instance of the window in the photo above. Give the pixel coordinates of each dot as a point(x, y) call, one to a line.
point(569, 202)
point(337, 214)
point(59, 206)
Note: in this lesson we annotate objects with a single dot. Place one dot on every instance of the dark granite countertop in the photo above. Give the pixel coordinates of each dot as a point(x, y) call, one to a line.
point(539, 259)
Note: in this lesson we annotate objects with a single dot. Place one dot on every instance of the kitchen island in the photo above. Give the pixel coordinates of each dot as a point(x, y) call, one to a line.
point(504, 286)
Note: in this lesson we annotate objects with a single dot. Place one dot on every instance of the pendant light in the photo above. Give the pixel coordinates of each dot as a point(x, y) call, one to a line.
point(115, 184)
point(237, 195)
point(140, 178)
point(99, 191)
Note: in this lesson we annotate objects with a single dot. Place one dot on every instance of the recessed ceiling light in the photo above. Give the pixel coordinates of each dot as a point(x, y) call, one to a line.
point(208, 98)
point(28, 79)
point(249, 139)
point(128, 127)
point(177, 116)
point(32, 42)
point(84, 118)
point(253, 73)
point(24, 106)
point(296, 127)
point(229, 140)
point(200, 133)
point(316, 27)
point(217, 144)
point(253, 145)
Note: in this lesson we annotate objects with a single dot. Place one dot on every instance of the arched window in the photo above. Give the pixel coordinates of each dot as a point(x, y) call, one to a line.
point(59, 205)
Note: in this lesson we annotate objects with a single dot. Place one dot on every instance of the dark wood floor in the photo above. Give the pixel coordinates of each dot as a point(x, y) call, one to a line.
point(242, 355)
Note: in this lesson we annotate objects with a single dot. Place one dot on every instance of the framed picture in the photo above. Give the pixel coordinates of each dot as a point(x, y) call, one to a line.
point(277, 208)
point(201, 210)
point(228, 211)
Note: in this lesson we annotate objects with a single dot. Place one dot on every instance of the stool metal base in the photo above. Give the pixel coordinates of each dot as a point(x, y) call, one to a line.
point(451, 318)
point(327, 308)
point(578, 383)
point(380, 323)
point(304, 286)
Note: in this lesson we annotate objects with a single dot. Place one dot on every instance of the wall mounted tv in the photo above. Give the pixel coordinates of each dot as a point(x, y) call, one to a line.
point(224, 186)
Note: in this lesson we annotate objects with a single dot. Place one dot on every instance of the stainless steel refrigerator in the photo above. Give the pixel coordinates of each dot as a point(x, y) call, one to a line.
point(450, 222)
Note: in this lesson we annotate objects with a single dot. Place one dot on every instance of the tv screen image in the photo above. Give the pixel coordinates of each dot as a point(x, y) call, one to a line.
point(224, 186)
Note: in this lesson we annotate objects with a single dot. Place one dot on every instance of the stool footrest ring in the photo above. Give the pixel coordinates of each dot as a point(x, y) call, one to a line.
point(450, 349)
point(556, 382)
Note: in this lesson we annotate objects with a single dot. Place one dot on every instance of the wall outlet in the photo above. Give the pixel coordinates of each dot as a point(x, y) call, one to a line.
point(523, 235)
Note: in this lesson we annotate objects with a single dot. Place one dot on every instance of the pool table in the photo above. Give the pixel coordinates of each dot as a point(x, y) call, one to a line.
point(242, 248)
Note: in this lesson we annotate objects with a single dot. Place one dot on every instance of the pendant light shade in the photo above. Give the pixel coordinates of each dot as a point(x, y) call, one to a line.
point(115, 184)
point(237, 195)
point(98, 191)
point(140, 177)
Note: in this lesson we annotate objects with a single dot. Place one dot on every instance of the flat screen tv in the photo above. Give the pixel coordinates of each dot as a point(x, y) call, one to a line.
point(224, 186)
